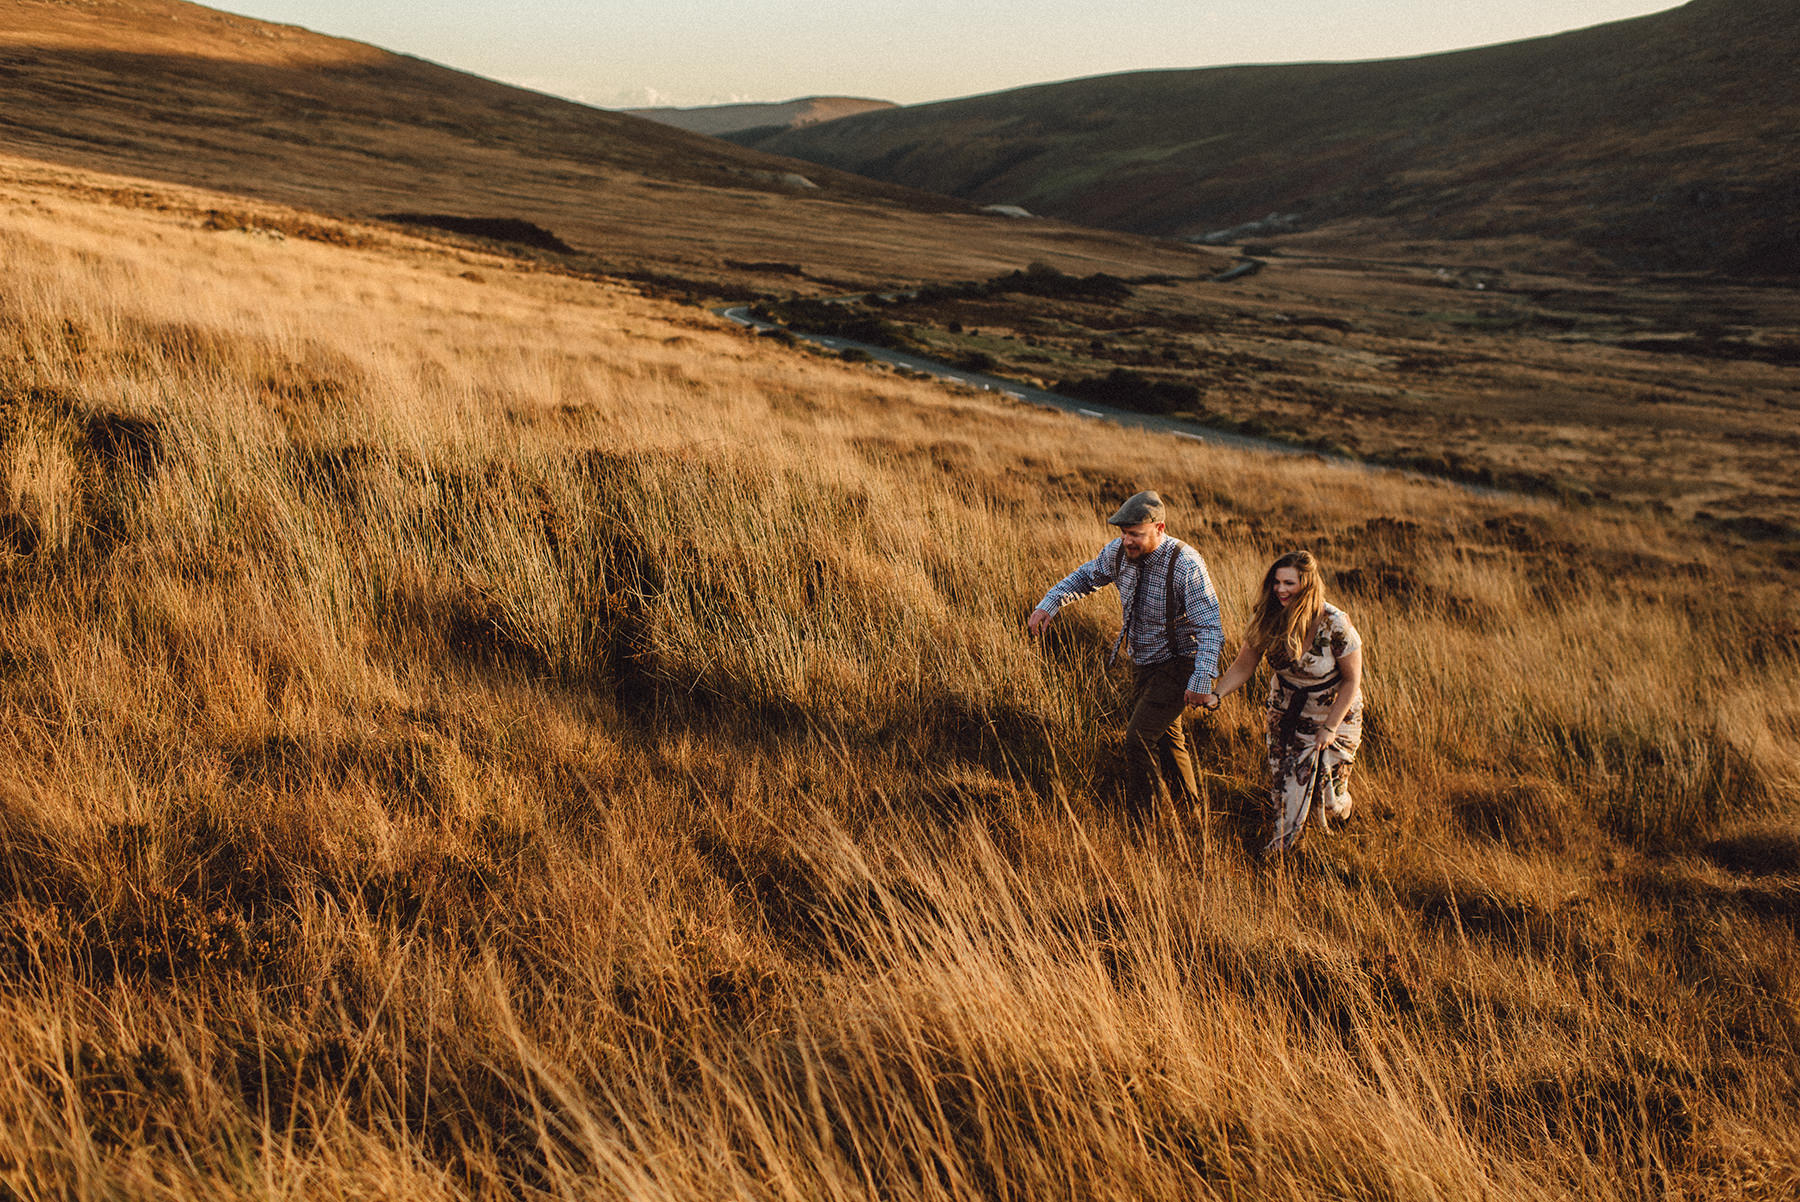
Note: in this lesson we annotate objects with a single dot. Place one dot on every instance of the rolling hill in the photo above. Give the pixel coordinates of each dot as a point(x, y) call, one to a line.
point(169, 91)
point(469, 732)
point(720, 119)
point(1664, 142)
point(473, 731)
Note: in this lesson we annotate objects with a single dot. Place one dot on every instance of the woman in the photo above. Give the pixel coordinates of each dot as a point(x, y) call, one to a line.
point(1315, 695)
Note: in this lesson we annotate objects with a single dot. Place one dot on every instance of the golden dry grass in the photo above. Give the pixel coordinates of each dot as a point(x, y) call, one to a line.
point(467, 732)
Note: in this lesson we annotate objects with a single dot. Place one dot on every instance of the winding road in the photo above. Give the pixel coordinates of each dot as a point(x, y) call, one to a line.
point(1013, 390)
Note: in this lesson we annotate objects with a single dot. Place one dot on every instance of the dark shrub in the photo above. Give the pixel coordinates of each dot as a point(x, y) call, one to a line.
point(840, 321)
point(1041, 279)
point(1128, 389)
point(499, 229)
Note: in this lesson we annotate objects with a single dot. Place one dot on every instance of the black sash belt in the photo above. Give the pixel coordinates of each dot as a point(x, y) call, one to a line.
point(1290, 717)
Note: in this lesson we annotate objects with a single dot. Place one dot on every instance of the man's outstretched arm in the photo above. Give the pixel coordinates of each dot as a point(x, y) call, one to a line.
point(1089, 577)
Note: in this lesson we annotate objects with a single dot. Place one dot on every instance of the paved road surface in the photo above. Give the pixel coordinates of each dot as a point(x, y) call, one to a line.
point(1031, 396)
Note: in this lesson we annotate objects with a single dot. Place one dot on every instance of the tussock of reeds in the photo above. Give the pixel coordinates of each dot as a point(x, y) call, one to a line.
point(474, 733)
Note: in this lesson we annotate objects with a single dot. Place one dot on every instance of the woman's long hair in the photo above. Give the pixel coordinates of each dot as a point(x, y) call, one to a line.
point(1284, 633)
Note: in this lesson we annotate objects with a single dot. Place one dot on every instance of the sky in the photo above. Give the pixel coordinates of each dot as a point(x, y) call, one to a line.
point(620, 53)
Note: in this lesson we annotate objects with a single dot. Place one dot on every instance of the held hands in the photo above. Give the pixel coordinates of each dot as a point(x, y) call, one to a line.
point(1206, 701)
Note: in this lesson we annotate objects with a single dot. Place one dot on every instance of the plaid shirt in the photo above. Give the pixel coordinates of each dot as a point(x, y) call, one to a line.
point(1141, 586)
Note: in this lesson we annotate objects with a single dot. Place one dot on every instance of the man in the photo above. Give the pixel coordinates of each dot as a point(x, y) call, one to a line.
point(1172, 627)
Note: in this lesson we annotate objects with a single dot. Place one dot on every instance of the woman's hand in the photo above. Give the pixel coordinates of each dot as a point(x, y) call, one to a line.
point(1325, 738)
point(1206, 701)
point(1240, 671)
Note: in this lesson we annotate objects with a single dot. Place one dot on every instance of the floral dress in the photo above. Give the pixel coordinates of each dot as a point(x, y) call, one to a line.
point(1301, 695)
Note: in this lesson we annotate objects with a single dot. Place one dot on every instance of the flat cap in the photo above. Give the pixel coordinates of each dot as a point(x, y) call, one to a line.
point(1144, 507)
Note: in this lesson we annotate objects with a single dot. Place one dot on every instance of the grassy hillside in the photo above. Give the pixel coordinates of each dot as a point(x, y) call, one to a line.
point(473, 732)
point(1667, 142)
point(171, 91)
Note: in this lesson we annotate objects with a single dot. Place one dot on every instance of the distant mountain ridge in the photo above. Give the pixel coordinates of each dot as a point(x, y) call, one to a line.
point(719, 119)
point(1670, 141)
point(173, 92)
point(176, 92)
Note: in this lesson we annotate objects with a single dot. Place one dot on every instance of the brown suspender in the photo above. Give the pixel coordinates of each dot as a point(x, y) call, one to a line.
point(1173, 612)
point(1174, 609)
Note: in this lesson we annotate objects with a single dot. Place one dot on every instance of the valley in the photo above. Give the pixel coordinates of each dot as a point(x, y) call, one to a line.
point(1675, 396)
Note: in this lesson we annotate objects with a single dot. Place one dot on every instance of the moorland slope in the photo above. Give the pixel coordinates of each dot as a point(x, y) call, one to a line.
point(166, 90)
point(474, 732)
point(1571, 385)
point(1667, 142)
point(469, 730)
